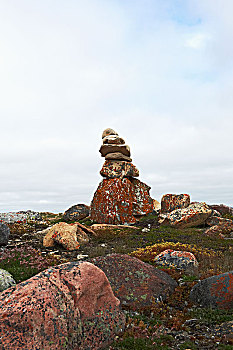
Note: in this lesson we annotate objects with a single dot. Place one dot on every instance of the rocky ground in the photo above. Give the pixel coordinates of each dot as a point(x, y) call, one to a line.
point(174, 324)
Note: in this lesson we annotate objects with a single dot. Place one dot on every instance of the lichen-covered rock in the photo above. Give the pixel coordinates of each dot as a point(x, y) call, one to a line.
point(170, 202)
point(4, 234)
point(215, 291)
point(217, 220)
point(222, 208)
point(6, 280)
point(118, 169)
point(116, 201)
point(70, 306)
point(134, 282)
point(68, 235)
point(143, 203)
point(76, 212)
point(109, 148)
point(118, 156)
point(194, 215)
point(178, 259)
point(223, 227)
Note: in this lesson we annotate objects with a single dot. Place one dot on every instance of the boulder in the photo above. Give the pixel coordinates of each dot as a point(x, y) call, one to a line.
point(97, 227)
point(68, 235)
point(4, 234)
point(156, 205)
point(123, 149)
point(215, 292)
point(116, 201)
point(222, 208)
point(76, 212)
point(108, 132)
point(170, 202)
point(194, 215)
point(134, 282)
point(6, 280)
point(118, 169)
point(70, 306)
point(218, 220)
point(143, 203)
point(179, 259)
point(117, 156)
point(222, 228)
point(113, 139)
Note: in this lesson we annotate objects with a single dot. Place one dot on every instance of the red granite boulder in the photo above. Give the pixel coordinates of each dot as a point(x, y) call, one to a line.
point(118, 201)
point(222, 208)
point(170, 202)
point(223, 227)
point(134, 282)
point(70, 306)
point(215, 292)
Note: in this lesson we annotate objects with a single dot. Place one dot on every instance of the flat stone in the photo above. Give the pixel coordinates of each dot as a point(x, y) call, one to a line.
point(170, 202)
point(105, 149)
point(70, 306)
point(117, 156)
point(97, 227)
point(118, 169)
point(113, 139)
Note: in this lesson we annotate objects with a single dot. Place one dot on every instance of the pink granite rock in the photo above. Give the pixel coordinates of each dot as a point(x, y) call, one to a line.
point(118, 169)
point(70, 306)
point(134, 282)
point(170, 202)
point(222, 228)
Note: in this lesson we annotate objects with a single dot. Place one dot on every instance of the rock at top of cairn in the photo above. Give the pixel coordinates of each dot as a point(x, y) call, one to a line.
point(113, 147)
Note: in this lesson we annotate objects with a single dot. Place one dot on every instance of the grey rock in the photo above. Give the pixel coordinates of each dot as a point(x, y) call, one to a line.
point(6, 280)
point(4, 234)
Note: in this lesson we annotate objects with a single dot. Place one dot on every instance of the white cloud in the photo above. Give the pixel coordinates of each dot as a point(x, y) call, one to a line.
point(160, 75)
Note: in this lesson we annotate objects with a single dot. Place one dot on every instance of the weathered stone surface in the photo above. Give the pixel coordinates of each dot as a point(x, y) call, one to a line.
point(68, 235)
point(143, 203)
point(113, 139)
point(225, 331)
point(156, 205)
point(113, 202)
point(117, 156)
point(109, 131)
point(170, 202)
point(4, 233)
point(194, 215)
point(118, 169)
point(224, 227)
point(70, 306)
point(178, 259)
point(222, 208)
point(124, 149)
point(6, 280)
point(215, 291)
point(134, 282)
point(76, 212)
point(116, 201)
point(217, 220)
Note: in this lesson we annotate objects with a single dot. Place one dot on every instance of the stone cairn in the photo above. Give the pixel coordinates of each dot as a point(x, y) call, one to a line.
point(120, 198)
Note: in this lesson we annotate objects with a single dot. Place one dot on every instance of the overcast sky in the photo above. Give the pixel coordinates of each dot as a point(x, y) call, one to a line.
point(159, 72)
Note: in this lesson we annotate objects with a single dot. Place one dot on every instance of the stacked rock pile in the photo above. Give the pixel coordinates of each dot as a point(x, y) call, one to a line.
point(120, 197)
